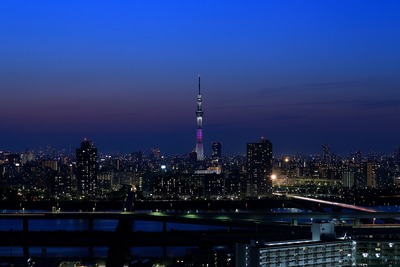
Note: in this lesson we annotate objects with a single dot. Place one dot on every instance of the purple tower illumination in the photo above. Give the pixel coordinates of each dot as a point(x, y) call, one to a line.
point(199, 135)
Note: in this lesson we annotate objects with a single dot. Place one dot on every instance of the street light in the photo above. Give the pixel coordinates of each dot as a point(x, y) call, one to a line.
point(273, 178)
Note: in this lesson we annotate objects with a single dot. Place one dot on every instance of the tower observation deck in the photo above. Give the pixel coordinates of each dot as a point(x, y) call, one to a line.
point(199, 133)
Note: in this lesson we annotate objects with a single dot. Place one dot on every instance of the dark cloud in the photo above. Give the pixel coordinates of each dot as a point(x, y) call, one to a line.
point(312, 86)
point(361, 103)
point(379, 104)
point(338, 84)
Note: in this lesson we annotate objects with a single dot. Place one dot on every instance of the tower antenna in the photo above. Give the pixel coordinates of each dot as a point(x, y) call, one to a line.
point(199, 84)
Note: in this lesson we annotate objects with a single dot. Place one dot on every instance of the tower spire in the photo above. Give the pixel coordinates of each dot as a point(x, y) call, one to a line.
point(199, 85)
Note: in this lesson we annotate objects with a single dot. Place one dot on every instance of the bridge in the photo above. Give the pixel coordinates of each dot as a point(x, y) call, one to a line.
point(229, 219)
point(329, 203)
point(235, 227)
point(277, 201)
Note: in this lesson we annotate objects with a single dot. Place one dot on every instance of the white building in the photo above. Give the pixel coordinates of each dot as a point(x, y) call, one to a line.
point(322, 251)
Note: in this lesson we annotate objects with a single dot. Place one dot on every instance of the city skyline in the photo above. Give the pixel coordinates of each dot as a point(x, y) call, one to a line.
point(124, 75)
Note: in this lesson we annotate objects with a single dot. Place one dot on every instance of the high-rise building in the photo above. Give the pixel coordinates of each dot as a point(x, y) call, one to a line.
point(370, 174)
point(199, 133)
point(348, 180)
point(216, 151)
point(259, 168)
point(63, 182)
point(86, 169)
point(325, 153)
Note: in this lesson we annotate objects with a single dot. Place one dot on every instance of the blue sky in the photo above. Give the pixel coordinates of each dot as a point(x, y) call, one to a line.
point(124, 74)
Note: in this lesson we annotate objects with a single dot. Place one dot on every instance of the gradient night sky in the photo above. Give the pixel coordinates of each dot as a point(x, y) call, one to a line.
point(124, 74)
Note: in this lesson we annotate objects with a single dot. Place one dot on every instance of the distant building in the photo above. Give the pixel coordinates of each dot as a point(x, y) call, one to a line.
point(384, 178)
point(358, 157)
point(63, 182)
point(370, 174)
point(259, 168)
point(216, 151)
point(86, 169)
point(51, 164)
point(155, 154)
point(193, 158)
point(348, 179)
point(27, 157)
point(326, 156)
point(104, 179)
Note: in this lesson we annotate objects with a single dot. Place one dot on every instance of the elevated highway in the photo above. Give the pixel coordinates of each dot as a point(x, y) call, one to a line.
point(205, 218)
point(330, 203)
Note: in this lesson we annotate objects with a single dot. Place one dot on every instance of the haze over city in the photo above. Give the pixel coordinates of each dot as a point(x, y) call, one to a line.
point(124, 74)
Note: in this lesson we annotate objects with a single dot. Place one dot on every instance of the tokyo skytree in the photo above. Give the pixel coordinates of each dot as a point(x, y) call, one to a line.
point(199, 133)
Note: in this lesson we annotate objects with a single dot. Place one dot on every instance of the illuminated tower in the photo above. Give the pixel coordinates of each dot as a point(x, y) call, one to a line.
point(199, 134)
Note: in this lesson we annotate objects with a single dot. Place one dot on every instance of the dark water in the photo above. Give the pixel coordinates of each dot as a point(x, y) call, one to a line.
point(98, 252)
point(98, 225)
